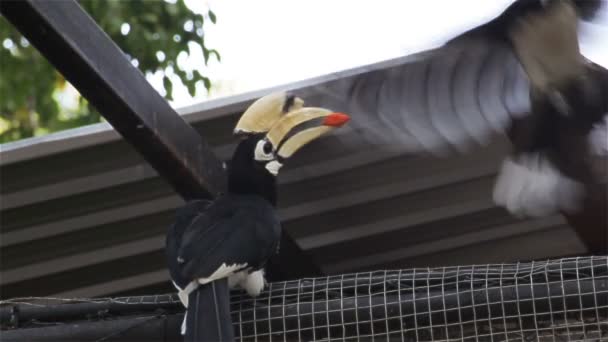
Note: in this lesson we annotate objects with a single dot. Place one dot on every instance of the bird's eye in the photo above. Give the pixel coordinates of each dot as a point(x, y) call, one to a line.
point(267, 147)
point(263, 150)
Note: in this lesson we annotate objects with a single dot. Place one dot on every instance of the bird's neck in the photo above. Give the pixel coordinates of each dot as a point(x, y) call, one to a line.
point(239, 184)
point(247, 177)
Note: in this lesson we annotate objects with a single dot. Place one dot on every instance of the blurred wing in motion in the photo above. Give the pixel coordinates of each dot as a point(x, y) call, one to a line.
point(520, 75)
point(445, 99)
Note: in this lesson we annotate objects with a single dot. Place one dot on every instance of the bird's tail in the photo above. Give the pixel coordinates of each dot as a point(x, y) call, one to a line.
point(208, 317)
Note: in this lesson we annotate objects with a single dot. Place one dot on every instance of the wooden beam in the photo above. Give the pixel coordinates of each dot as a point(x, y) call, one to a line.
point(71, 40)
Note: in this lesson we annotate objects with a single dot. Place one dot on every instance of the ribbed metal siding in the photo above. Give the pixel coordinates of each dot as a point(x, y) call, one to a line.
point(83, 215)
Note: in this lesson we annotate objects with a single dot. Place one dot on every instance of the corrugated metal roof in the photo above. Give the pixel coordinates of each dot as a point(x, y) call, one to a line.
point(82, 214)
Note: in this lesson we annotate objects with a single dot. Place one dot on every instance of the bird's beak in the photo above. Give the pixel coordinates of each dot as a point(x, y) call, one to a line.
point(302, 126)
point(336, 119)
point(266, 111)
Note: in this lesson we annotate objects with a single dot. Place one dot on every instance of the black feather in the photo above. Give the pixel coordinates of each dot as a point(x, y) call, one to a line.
point(237, 228)
point(210, 318)
point(184, 217)
point(234, 229)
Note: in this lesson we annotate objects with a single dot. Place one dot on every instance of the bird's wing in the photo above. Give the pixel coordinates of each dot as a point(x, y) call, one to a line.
point(445, 99)
point(184, 217)
point(230, 236)
point(470, 88)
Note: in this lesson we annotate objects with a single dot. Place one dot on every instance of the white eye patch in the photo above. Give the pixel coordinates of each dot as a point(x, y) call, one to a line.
point(263, 151)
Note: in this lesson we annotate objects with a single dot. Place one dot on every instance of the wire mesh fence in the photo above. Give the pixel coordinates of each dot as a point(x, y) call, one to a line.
point(555, 300)
point(542, 301)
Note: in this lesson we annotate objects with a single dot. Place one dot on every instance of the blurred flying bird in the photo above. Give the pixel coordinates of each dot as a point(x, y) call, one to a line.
point(521, 75)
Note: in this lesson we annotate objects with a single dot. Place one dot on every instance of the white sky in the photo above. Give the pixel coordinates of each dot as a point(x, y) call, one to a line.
point(269, 42)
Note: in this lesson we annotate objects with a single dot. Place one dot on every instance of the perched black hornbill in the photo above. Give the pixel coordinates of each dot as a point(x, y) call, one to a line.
point(522, 75)
point(234, 235)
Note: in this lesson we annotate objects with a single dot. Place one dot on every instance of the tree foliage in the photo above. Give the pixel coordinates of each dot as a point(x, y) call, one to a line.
point(35, 99)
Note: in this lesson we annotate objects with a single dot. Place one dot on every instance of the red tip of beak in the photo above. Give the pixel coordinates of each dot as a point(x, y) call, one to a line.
point(336, 119)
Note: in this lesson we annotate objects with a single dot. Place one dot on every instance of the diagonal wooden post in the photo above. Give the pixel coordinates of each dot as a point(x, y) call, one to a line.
point(71, 40)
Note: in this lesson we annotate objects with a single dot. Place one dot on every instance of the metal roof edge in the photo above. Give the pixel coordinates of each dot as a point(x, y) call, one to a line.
point(76, 138)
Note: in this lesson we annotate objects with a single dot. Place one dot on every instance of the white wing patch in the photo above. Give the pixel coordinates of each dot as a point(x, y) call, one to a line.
point(533, 187)
point(222, 272)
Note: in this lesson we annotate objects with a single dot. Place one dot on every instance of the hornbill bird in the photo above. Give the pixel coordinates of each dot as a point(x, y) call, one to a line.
point(521, 75)
point(229, 239)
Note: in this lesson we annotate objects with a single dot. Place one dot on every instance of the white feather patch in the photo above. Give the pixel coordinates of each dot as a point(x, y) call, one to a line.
point(533, 187)
point(253, 282)
point(234, 280)
point(222, 272)
point(598, 138)
point(273, 167)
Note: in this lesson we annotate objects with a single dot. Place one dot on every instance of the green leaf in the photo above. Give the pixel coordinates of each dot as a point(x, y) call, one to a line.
point(149, 17)
point(207, 83)
point(172, 10)
point(212, 16)
point(191, 88)
point(199, 20)
point(168, 85)
point(216, 53)
point(205, 54)
point(30, 89)
point(197, 76)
